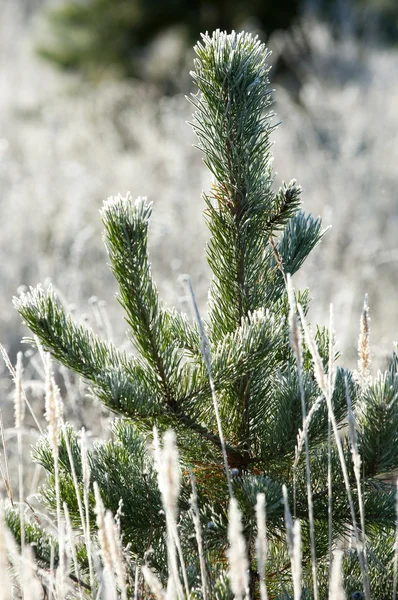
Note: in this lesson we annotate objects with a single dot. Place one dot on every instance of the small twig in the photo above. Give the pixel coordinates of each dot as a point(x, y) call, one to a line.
point(278, 259)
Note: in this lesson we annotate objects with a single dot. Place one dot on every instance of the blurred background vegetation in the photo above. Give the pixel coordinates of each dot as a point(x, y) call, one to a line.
point(123, 35)
point(92, 104)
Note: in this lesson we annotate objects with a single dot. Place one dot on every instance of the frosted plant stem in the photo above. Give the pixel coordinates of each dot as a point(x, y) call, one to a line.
point(153, 583)
point(69, 532)
point(19, 407)
point(331, 382)
point(293, 535)
point(356, 459)
point(321, 380)
point(85, 523)
point(205, 348)
point(166, 463)
point(136, 578)
point(261, 544)
point(196, 520)
point(237, 554)
point(12, 371)
point(336, 590)
point(295, 336)
point(330, 496)
point(86, 490)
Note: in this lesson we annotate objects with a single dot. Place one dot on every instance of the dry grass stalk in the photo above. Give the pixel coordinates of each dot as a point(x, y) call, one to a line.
point(110, 545)
point(19, 404)
point(5, 473)
point(136, 581)
point(153, 583)
point(5, 587)
point(237, 553)
point(205, 348)
point(322, 383)
point(107, 577)
point(293, 536)
point(336, 590)
point(53, 416)
point(30, 585)
point(72, 546)
point(85, 466)
point(63, 563)
point(296, 342)
point(316, 359)
point(363, 375)
point(198, 532)
point(113, 535)
point(86, 490)
point(261, 544)
point(54, 410)
point(13, 374)
point(102, 536)
point(356, 459)
point(166, 464)
point(331, 384)
point(19, 408)
point(84, 522)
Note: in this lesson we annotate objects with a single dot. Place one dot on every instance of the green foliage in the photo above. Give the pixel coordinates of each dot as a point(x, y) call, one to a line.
point(98, 35)
point(258, 236)
point(94, 35)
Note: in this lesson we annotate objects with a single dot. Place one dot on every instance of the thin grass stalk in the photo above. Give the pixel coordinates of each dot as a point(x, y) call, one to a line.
point(5, 587)
point(71, 540)
point(6, 475)
point(51, 580)
point(296, 343)
point(166, 463)
point(331, 383)
point(364, 355)
point(113, 536)
point(330, 497)
point(336, 590)
point(85, 524)
point(153, 583)
point(293, 536)
point(52, 414)
point(108, 578)
point(395, 577)
point(136, 581)
point(198, 532)
point(322, 383)
point(356, 459)
point(62, 569)
point(86, 491)
point(205, 349)
point(30, 585)
point(237, 553)
point(261, 544)
point(19, 417)
point(25, 398)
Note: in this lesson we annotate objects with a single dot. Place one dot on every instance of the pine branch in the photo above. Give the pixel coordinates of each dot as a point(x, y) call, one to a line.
point(285, 206)
point(126, 235)
point(302, 234)
point(118, 380)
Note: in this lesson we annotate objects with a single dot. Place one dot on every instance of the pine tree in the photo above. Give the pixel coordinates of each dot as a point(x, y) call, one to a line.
point(247, 354)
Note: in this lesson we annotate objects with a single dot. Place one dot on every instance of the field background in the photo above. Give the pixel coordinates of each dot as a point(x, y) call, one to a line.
point(67, 144)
